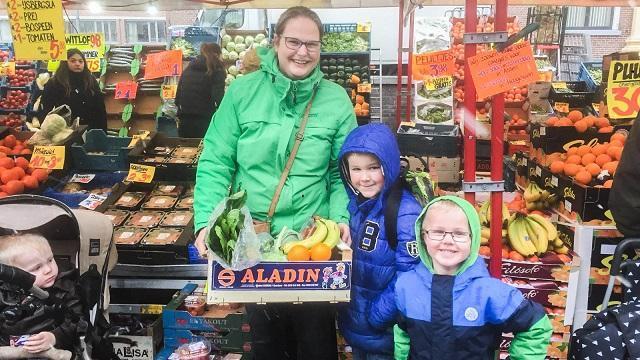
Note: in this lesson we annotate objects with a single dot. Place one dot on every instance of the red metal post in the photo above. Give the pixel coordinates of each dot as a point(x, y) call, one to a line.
point(410, 68)
point(400, 51)
point(497, 138)
point(469, 116)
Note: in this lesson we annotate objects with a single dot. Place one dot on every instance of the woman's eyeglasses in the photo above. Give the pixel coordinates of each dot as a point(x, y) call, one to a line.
point(438, 235)
point(295, 44)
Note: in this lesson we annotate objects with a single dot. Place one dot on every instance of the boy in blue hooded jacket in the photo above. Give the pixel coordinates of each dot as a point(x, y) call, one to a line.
point(450, 307)
point(370, 162)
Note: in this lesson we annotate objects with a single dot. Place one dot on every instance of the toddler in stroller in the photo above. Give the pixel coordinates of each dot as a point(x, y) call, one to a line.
point(70, 314)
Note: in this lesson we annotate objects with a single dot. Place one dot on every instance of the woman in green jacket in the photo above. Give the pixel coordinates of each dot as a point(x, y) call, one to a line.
point(248, 143)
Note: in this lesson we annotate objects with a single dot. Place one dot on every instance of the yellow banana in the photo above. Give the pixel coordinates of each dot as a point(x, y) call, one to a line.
point(483, 214)
point(484, 240)
point(548, 226)
point(317, 237)
point(532, 192)
point(519, 238)
point(333, 233)
point(562, 250)
point(557, 242)
point(505, 215)
point(485, 232)
point(541, 238)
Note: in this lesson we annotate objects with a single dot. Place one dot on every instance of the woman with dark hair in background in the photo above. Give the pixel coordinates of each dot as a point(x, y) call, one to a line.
point(73, 85)
point(200, 91)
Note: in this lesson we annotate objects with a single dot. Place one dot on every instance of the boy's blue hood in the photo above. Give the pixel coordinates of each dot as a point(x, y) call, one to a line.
point(378, 140)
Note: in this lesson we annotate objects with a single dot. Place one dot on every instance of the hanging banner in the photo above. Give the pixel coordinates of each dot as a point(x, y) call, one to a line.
point(92, 46)
point(495, 72)
point(37, 29)
point(623, 89)
point(433, 64)
point(165, 63)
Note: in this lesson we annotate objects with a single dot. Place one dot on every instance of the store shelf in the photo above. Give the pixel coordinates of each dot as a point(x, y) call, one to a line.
point(130, 276)
point(348, 53)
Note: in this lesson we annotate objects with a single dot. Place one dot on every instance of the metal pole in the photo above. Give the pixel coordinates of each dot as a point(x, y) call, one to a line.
point(497, 139)
point(469, 115)
point(410, 68)
point(399, 71)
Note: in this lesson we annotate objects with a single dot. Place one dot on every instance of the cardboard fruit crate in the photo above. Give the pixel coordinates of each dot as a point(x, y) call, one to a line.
point(236, 341)
point(283, 282)
point(550, 268)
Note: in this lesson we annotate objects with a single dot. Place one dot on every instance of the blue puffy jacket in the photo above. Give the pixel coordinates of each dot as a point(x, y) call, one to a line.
point(367, 321)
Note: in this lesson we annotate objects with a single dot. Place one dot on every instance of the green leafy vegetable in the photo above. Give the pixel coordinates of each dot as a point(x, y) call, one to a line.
point(224, 235)
point(344, 42)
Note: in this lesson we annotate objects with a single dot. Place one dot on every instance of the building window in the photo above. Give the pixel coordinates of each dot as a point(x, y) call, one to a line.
point(5, 31)
point(145, 31)
point(107, 27)
point(590, 18)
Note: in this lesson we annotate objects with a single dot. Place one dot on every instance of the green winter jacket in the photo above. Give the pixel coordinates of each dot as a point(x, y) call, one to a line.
point(250, 138)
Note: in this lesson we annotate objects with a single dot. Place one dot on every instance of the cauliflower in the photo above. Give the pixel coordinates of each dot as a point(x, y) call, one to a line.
point(233, 70)
point(240, 47)
point(225, 54)
point(264, 43)
point(231, 46)
point(233, 56)
point(241, 54)
point(259, 38)
point(248, 40)
point(238, 39)
point(225, 40)
point(229, 79)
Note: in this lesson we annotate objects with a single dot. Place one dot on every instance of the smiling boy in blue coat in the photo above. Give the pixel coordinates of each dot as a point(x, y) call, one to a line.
point(450, 307)
point(370, 162)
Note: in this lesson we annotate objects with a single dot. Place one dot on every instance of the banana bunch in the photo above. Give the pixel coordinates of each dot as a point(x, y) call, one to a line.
point(484, 213)
point(538, 199)
point(325, 231)
point(533, 235)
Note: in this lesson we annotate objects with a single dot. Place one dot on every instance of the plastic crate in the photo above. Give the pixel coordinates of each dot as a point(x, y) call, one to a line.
point(584, 75)
point(580, 95)
point(430, 139)
point(102, 152)
point(350, 27)
point(101, 180)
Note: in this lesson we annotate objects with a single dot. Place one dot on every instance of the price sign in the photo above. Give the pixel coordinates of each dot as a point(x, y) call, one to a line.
point(165, 63)
point(37, 29)
point(91, 45)
point(495, 72)
point(561, 107)
point(559, 85)
point(169, 91)
point(48, 157)
point(135, 138)
point(82, 178)
point(363, 27)
point(364, 88)
point(433, 64)
point(596, 107)
point(7, 68)
point(126, 90)
point(438, 83)
point(141, 173)
point(623, 91)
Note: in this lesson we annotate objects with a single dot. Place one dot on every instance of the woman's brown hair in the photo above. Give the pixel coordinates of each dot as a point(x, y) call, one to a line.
point(211, 53)
point(298, 11)
point(61, 76)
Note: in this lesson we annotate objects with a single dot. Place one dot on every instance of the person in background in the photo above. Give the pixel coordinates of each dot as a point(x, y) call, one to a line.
point(73, 85)
point(450, 307)
point(248, 144)
point(200, 91)
point(624, 199)
point(250, 61)
point(370, 161)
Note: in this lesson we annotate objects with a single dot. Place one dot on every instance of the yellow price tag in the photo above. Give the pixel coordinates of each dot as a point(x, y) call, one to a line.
point(561, 107)
point(141, 173)
point(559, 85)
point(364, 27)
point(151, 309)
point(408, 123)
point(48, 157)
point(438, 83)
point(364, 88)
point(596, 107)
point(169, 91)
point(135, 138)
point(7, 68)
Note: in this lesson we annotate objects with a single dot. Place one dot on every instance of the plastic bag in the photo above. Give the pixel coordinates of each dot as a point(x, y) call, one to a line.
point(198, 349)
point(241, 250)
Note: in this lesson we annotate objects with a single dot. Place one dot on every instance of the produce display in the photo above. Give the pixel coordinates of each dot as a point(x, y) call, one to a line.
point(179, 43)
point(16, 176)
point(344, 70)
point(12, 120)
point(234, 48)
point(15, 100)
point(536, 198)
point(23, 77)
point(10, 145)
point(581, 122)
point(345, 41)
point(434, 113)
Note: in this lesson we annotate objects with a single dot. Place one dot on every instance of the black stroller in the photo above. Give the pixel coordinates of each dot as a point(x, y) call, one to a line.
point(614, 333)
point(79, 239)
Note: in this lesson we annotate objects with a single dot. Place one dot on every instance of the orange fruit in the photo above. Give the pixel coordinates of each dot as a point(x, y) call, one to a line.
point(564, 122)
point(588, 158)
point(611, 167)
point(552, 121)
point(484, 251)
point(7, 163)
point(583, 176)
point(10, 141)
point(22, 162)
point(616, 153)
point(602, 122)
point(320, 252)
point(605, 129)
point(299, 253)
point(593, 169)
point(612, 150)
point(14, 187)
point(572, 151)
point(571, 169)
point(574, 115)
point(30, 182)
point(608, 183)
point(584, 149)
point(602, 159)
point(598, 149)
point(581, 126)
point(40, 174)
point(557, 167)
point(574, 159)
point(619, 137)
point(590, 120)
point(516, 256)
point(616, 142)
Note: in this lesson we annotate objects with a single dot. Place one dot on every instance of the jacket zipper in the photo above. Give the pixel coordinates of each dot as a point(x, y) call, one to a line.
point(294, 89)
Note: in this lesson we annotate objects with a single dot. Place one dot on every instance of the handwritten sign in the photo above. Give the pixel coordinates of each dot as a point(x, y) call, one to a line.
point(364, 88)
point(48, 157)
point(7, 68)
point(90, 44)
point(169, 91)
point(141, 173)
point(126, 90)
point(137, 137)
point(37, 29)
point(559, 85)
point(623, 91)
point(165, 63)
point(433, 64)
point(495, 72)
point(561, 107)
point(438, 83)
point(82, 178)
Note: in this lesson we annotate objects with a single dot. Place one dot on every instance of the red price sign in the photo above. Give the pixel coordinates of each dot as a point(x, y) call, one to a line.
point(433, 64)
point(96, 40)
point(623, 92)
point(126, 90)
point(165, 63)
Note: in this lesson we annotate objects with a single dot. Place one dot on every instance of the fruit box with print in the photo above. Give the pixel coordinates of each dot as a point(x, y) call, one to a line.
point(283, 281)
point(550, 267)
point(236, 341)
point(545, 293)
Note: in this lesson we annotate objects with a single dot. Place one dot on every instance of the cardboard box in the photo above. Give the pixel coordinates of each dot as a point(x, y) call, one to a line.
point(549, 268)
point(214, 319)
point(596, 296)
point(445, 170)
point(429, 139)
point(545, 293)
point(166, 352)
point(559, 138)
point(235, 341)
point(539, 111)
point(288, 282)
point(144, 347)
